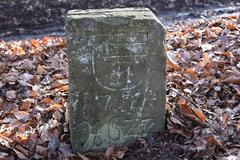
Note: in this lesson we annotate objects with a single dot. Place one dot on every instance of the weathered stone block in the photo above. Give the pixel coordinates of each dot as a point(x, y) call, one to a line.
point(117, 76)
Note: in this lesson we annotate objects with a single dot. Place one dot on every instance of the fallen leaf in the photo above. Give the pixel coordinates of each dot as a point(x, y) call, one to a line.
point(11, 95)
point(204, 60)
point(66, 150)
point(214, 141)
point(55, 106)
point(25, 105)
point(22, 137)
point(191, 72)
point(171, 63)
point(184, 108)
point(230, 26)
point(62, 88)
point(40, 69)
point(83, 157)
point(116, 152)
point(2, 67)
point(35, 43)
point(21, 115)
point(232, 79)
point(199, 114)
point(33, 94)
point(47, 101)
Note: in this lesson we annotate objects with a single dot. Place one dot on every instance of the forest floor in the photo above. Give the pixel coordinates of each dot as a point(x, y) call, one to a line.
point(203, 97)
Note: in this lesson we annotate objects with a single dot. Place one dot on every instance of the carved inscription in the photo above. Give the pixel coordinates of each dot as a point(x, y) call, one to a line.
point(121, 95)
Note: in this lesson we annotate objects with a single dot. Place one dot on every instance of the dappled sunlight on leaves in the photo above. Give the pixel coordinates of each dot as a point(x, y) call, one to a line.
point(210, 101)
point(203, 95)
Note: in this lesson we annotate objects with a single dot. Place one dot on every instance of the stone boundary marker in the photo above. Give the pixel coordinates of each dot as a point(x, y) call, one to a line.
point(117, 76)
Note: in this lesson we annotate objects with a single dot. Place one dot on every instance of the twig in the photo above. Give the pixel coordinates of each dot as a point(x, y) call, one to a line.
point(176, 91)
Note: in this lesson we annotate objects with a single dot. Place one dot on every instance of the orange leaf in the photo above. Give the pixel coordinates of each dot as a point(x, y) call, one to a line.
point(18, 50)
point(35, 43)
point(54, 106)
point(22, 137)
point(45, 40)
point(47, 101)
point(33, 94)
point(191, 72)
point(184, 106)
point(57, 106)
point(171, 63)
point(198, 112)
point(230, 26)
point(62, 88)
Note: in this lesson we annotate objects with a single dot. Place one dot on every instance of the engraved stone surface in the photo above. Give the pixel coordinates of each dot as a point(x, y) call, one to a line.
point(117, 76)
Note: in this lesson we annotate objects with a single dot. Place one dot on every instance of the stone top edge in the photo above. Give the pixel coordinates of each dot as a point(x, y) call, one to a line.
point(112, 11)
point(142, 13)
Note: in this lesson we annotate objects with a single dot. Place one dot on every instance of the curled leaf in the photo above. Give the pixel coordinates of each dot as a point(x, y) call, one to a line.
point(198, 112)
point(172, 64)
point(235, 79)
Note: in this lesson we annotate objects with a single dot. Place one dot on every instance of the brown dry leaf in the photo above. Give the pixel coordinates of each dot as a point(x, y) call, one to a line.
point(55, 106)
point(198, 112)
point(11, 77)
point(34, 94)
point(179, 130)
point(192, 73)
point(172, 64)
point(184, 108)
point(238, 19)
point(116, 152)
point(188, 113)
point(204, 60)
point(235, 79)
point(17, 50)
point(40, 69)
point(2, 67)
point(22, 137)
point(11, 95)
point(1, 101)
point(5, 140)
point(83, 157)
point(21, 115)
point(20, 155)
point(22, 128)
point(230, 25)
point(42, 150)
point(176, 121)
point(66, 150)
point(175, 126)
point(47, 101)
point(196, 33)
point(62, 88)
point(25, 105)
point(224, 53)
point(53, 42)
point(216, 30)
point(21, 152)
point(35, 43)
point(214, 141)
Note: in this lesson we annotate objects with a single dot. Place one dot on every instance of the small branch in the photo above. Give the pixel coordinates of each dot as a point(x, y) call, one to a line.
point(176, 91)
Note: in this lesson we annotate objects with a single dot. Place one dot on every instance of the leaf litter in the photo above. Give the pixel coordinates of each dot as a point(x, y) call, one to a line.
point(203, 97)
